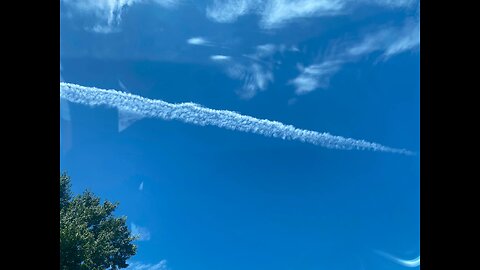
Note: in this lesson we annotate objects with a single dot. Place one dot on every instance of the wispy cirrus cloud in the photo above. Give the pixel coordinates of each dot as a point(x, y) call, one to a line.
point(162, 265)
point(255, 76)
point(201, 41)
point(220, 57)
point(315, 76)
point(388, 41)
point(142, 233)
point(277, 13)
point(199, 115)
point(257, 72)
point(109, 12)
point(274, 13)
point(407, 263)
point(267, 50)
point(228, 11)
point(254, 69)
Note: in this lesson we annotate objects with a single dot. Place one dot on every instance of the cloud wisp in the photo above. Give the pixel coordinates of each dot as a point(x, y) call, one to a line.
point(196, 114)
point(219, 57)
point(142, 233)
point(199, 41)
point(407, 263)
point(109, 12)
point(389, 41)
point(162, 265)
point(277, 13)
point(255, 76)
point(254, 69)
point(315, 76)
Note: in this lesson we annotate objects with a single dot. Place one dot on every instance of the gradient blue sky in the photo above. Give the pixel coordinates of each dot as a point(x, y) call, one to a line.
point(219, 199)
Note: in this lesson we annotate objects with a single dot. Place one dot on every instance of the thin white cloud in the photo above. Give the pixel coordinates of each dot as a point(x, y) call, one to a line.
point(266, 50)
point(219, 57)
point(410, 40)
point(140, 187)
point(294, 48)
point(109, 12)
point(277, 13)
point(254, 69)
point(198, 115)
point(104, 29)
point(315, 76)
point(407, 263)
point(198, 41)
point(274, 13)
point(389, 41)
point(142, 233)
point(162, 265)
point(255, 77)
point(226, 11)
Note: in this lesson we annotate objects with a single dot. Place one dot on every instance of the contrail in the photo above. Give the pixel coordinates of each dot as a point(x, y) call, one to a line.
point(198, 115)
point(408, 263)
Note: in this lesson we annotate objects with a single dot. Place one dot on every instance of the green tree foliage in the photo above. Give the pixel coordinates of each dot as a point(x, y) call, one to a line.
point(91, 238)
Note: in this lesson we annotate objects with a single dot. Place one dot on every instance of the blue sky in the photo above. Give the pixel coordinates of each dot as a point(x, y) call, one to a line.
point(212, 198)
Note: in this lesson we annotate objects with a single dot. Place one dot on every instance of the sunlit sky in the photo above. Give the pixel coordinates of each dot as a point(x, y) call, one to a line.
point(208, 198)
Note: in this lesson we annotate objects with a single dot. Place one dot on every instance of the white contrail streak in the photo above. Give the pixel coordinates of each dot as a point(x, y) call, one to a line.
point(408, 263)
point(198, 115)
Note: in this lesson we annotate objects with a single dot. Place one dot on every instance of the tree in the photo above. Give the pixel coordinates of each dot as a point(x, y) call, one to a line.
point(90, 236)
